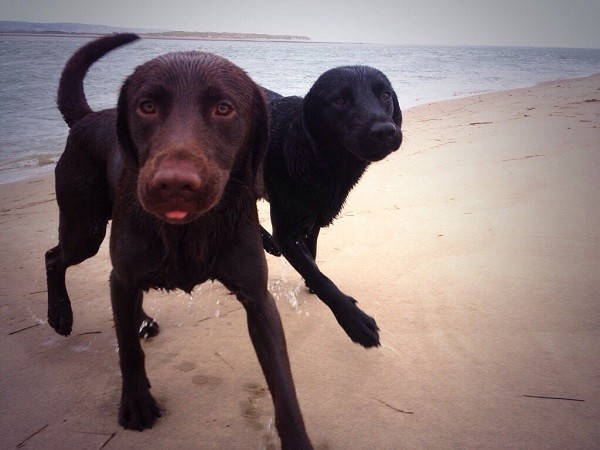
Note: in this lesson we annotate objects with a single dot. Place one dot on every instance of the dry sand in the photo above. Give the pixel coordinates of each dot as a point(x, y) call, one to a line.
point(476, 247)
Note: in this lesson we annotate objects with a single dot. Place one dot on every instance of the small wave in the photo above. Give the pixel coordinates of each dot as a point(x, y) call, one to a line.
point(30, 161)
point(26, 167)
point(23, 173)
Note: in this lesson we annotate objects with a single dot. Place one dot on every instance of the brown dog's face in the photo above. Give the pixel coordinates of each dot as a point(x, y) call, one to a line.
point(188, 122)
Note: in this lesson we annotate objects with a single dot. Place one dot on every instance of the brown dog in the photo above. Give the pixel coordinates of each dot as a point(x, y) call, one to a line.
point(176, 168)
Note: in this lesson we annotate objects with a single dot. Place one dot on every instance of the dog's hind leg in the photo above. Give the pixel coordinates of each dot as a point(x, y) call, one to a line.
point(60, 314)
point(268, 243)
point(148, 326)
point(85, 209)
point(79, 239)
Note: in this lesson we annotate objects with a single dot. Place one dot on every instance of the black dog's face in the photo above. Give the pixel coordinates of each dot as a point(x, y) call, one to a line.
point(186, 121)
point(356, 107)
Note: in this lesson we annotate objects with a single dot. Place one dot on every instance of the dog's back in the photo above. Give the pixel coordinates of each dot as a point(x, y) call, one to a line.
point(285, 115)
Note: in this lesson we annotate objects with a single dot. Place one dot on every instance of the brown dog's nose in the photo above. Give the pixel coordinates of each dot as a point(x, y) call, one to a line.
point(176, 180)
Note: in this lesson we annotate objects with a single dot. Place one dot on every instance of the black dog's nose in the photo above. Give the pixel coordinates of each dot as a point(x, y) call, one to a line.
point(174, 180)
point(383, 130)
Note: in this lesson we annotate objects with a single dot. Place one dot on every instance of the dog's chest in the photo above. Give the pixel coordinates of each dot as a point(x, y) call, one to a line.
point(331, 188)
point(176, 273)
point(329, 201)
point(184, 275)
point(183, 262)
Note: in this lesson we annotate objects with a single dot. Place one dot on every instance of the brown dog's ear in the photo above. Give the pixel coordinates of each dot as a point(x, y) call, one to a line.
point(397, 114)
point(128, 150)
point(258, 141)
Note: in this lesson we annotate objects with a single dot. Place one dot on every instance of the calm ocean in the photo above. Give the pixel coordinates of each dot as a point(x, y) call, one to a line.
point(33, 132)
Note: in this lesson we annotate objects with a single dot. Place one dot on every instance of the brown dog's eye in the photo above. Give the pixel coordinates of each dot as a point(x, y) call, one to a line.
point(223, 109)
point(147, 107)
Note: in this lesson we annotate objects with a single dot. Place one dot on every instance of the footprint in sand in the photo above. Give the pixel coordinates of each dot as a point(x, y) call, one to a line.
point(168, 357)
point(186, 366)
point(257, 405)
point(206, 380)
point(254, 406)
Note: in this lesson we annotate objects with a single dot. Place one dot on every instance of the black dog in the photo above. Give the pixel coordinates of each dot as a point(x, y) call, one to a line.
point(319, 148)
point(175, 168)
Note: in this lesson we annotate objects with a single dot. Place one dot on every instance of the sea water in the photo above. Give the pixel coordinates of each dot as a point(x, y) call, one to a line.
point(32, 132)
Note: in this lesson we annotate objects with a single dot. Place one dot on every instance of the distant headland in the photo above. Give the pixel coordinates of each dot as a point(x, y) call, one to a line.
point(78, 29)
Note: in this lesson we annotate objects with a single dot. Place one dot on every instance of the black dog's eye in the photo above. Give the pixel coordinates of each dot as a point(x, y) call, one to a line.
point(223, 109)
point(147, 107)
point(386, 96)
point(339, 101)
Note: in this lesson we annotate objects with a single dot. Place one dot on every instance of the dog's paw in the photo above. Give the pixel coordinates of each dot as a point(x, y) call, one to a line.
point(269, 244)
point(148, 328)
point(360, 327)
point(60, 317)
point(310, 290)
point(138, 409)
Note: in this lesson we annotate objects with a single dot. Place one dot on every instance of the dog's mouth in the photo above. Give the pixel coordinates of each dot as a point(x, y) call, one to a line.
point(179, 211)
point(176, 215)
point(377, 142)
point(376, 150)
point(179, 192)
point(376, 154)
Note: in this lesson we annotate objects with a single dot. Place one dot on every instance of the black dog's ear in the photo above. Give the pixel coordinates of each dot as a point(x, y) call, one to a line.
point(128, 150)
point(258, 141)
point(397, 114)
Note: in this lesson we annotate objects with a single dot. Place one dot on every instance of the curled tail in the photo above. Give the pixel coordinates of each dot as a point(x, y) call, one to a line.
point(71, 100)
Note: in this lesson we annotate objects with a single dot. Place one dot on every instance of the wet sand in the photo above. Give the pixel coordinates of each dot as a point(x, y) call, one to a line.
point(476, 247)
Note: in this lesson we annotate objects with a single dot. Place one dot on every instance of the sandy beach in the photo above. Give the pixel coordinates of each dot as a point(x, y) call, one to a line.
point(476, 247)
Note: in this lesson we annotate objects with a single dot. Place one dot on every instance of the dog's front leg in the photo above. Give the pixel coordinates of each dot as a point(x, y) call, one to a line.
point(138, 409)
point(266, 332)
point(311, 241)
point(243, 270)
point(360, 327)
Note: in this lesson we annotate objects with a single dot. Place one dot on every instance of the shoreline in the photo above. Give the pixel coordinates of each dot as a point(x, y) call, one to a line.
point(182, 37)
point(31, 171)
point(475, 247)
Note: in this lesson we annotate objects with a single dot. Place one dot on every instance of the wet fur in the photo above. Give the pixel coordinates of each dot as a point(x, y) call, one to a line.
point(319, 148)
point(110, 170)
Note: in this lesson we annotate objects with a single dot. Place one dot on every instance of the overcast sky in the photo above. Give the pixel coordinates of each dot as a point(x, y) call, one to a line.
point(562, 23)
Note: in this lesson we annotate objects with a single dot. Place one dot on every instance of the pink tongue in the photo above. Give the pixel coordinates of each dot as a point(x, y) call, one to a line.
point(176, 215)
